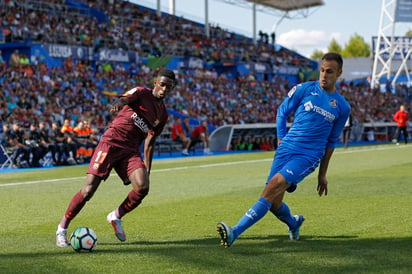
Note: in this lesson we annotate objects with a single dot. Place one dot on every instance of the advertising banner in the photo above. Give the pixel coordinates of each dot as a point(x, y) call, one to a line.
point(403, 11)
point(402, 44)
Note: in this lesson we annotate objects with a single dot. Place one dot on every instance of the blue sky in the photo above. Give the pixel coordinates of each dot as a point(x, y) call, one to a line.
point(338, 19)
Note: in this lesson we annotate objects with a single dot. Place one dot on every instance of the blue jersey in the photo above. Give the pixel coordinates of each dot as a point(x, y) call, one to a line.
point(319, 118)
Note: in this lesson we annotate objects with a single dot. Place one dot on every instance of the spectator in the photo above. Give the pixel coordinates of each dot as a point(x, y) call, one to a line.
point(37, 147)
point(70, 142)
point(47, 142)
point(86, 141)
point(200, 135)
point(58, 140)
point(81, 135)
point(253, 143)
point(266, 144)
point(180, 136)
point(14, 61)
point(3, 65)
point(186, 126)
point(16, 140)
point(240, 143)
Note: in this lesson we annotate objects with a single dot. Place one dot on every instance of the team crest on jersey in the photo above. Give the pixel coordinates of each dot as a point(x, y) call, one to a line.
point(156, 122)
point(333, 103)
point(95, 166)
point(291, 92)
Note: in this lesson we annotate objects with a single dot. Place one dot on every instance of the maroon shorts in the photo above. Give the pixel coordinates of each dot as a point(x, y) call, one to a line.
point(106, 157)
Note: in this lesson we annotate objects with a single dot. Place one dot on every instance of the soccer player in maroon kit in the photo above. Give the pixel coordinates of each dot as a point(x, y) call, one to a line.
point(141, 118)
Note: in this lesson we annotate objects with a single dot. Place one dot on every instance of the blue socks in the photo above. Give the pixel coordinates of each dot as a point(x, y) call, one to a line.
point(283, 214)
point(257, 211)
point(254, 214)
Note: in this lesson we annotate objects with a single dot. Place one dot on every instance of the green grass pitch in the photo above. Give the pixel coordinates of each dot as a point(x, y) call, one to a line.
point(364, 225)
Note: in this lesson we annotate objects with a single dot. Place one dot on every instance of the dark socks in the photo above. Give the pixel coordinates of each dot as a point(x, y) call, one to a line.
point(76, 204)
point(132, 201)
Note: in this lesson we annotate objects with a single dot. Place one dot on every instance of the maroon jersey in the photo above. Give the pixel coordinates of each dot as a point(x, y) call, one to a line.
point(142, 114)
point(198, 131)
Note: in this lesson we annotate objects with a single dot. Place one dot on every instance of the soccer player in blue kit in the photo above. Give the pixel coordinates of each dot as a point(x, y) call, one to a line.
point(320, 113)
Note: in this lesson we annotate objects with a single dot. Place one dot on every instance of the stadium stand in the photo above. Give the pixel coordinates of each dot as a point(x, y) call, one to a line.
point(73, 57)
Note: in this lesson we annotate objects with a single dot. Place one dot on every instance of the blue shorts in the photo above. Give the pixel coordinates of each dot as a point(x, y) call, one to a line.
point(293, 166)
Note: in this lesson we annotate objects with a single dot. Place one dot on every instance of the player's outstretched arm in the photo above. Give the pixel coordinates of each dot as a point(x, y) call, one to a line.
point(322, 187)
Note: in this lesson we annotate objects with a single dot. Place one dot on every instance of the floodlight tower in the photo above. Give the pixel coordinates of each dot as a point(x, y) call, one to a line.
point(387, 47)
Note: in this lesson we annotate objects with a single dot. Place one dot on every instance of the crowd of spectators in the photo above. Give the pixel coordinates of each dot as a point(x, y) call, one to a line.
point(28, 147)
point(134, 28)
point(32, 93)
point(252, 142)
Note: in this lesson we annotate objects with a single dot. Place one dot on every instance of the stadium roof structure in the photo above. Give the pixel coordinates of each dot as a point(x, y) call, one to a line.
point(288, 5)
point(291, 9)
point(287, 8)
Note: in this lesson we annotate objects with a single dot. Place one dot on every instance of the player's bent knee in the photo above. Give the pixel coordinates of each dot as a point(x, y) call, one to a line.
point(143, 191)
point(136, 196)
point(275, 188)
point(278, 181)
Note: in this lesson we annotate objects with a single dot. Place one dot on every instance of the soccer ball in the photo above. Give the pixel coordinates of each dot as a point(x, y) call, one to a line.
point(83, 239)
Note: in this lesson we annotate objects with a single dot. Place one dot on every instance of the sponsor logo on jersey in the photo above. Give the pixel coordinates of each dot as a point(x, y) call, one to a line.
point(292, 91)
point(308, 106)
point(156, 122)
point(328, 116)
point(139, 122)
point(131, 91)
point(289, 171)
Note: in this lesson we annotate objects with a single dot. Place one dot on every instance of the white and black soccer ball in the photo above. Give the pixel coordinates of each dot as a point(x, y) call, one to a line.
point(83, 239)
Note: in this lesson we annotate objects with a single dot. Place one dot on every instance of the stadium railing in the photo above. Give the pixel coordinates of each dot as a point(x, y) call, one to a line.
point(8, 156)
point(164, 144)
point(221, 138)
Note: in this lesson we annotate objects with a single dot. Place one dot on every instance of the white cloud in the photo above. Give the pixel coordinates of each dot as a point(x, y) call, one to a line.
point(302, 38)
point(306, 41)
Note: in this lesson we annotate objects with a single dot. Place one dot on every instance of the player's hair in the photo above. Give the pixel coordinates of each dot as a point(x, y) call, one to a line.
point(333, 56)
point(167, 73)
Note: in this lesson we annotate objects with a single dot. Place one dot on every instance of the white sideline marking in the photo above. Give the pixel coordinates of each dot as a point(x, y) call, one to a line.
point(190, 167)
point(41, 181)
point(213, 165)
point(153, 171)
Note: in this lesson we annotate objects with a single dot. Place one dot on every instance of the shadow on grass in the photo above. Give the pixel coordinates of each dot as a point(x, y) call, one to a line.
point(256, 254)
